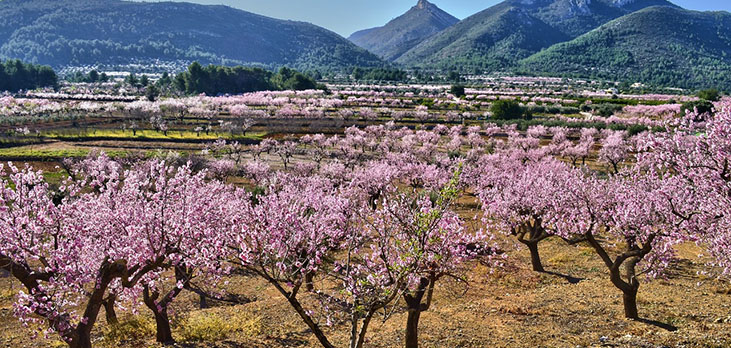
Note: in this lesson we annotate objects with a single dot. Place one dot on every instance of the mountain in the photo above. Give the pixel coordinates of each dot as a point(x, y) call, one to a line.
point(85, 32)
point(404, 32)
point(658, 45)
point(498, 37)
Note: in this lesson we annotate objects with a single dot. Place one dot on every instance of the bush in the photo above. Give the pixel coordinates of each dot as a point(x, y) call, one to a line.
point(606, 109)
point(507, 110)
point(134, 329)
point(458, 91)
point(553, 109)
point(703, 107)
point(709, 94)
point(6, 294)
point(635, 129)
point(214, 325)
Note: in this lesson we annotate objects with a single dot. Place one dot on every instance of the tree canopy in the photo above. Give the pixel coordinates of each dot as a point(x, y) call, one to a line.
point(214, 79)
point(16, 75)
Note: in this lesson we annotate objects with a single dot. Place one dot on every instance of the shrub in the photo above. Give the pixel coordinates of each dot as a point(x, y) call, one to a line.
point(606, 110)
point(6, 294)
point(507, 110)
point(635, 129)
point(703, 107)
point(709, 94)
point(215, 325)
point(134, 329)
point(458, 91)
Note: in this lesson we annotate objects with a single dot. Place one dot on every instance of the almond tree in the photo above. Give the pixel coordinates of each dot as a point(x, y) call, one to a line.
point(180, 216)
point(520, 197)
point(615, 150)
point(629, 211)
point(696, 157)
point(416, 242)
point(287, 235)
point(60, 256)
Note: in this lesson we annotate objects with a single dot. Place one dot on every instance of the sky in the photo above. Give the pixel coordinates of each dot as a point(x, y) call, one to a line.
point(347, 16)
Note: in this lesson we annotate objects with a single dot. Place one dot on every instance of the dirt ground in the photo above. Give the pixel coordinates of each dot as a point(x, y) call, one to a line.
point(576, 306)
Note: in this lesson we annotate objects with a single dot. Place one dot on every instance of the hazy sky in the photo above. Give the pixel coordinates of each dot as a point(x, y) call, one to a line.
point(347, 16)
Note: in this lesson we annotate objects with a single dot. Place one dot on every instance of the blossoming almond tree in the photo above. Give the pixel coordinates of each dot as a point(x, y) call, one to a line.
point(519, 197)
point(288, 234)
point(417, 241)
point(614, 150)
point(627, 210)
point(697, 158)
point(62, 262)
point(182, 216)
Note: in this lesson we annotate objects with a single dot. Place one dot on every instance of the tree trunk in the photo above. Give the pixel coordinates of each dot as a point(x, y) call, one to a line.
point(629, 297)
point(415, 307)
point(412, 328)
point(81, 341)
point(536, 234)
point(309, 281)
point(111, 314)
point(632, 256)
point(353, 330)
point(292, 299)
point(203, 301)
point(164, 335)
point(310, 323)
point(535, 256)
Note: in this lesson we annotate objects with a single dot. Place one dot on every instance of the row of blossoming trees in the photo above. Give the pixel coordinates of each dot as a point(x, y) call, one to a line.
point(364, 227)
point(342, 105)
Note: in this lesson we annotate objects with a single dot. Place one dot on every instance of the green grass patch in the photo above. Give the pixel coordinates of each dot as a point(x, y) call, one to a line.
point(47, 154)
point(135, 329)
point(147, 134)
point(55, 177)
point(214, 325)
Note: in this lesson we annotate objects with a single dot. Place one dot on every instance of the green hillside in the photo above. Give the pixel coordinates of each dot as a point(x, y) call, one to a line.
point(659, 46)
point(498, 37)
point(85, 32)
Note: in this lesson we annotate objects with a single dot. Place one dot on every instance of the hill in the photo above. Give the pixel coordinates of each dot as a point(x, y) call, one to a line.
point(498, 37)
point(659, 46)
point(84, 32)
point(404, 32)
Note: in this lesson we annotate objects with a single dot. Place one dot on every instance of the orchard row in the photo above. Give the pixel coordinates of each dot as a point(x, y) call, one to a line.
point(361, 224)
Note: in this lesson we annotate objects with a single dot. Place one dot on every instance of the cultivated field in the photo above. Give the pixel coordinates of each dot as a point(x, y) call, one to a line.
point(412, 139)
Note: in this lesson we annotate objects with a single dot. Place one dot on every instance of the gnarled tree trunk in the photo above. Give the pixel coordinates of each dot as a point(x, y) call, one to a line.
point(414, 307)
point(111, 314)
point(163, 332)
point(531, 235)
point(629, 259)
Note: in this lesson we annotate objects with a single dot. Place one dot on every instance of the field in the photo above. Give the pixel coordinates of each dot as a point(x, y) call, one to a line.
point(572, 304)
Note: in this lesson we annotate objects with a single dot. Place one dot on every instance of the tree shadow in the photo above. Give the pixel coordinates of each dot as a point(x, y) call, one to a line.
point(570, 279)
point(656, 323)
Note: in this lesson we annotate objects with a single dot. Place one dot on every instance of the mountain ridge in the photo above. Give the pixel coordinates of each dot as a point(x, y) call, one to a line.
point(500, 36)
point(405, 31)
point(656, 45)
point(71, 33)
